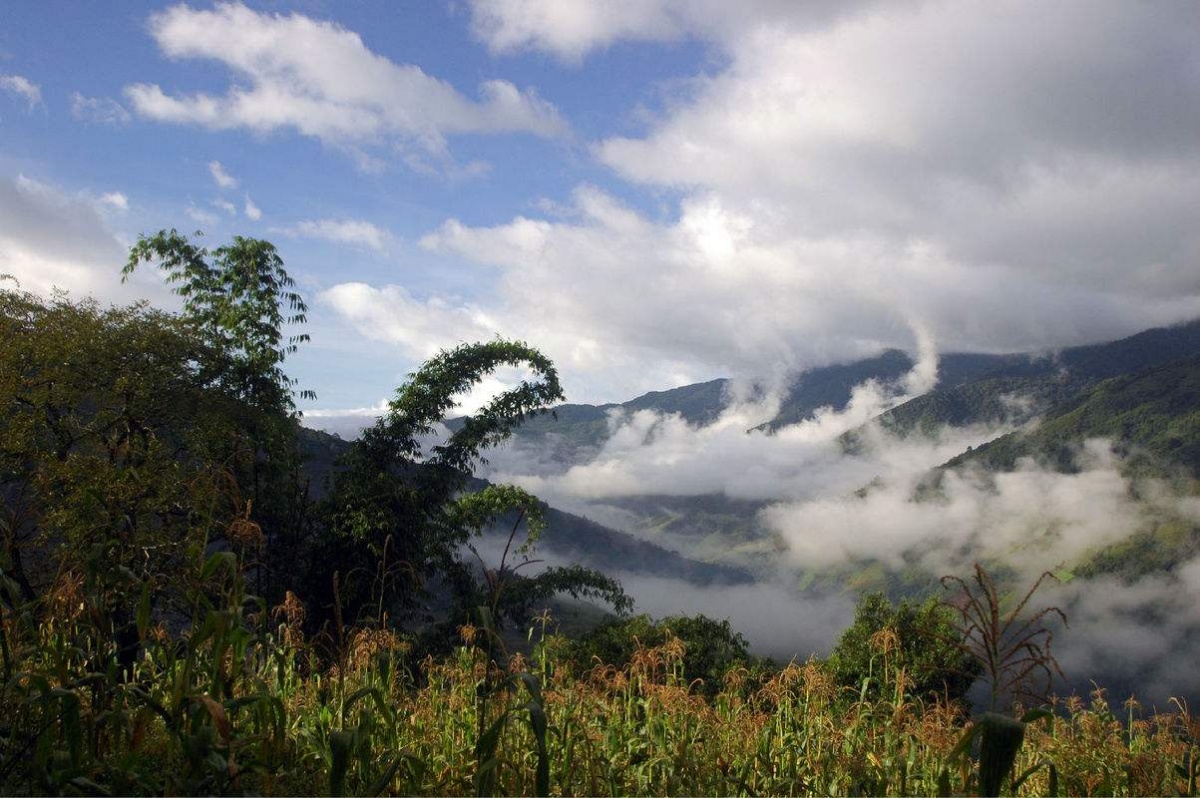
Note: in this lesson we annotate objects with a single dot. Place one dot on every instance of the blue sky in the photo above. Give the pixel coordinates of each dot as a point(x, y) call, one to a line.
point(652, 191)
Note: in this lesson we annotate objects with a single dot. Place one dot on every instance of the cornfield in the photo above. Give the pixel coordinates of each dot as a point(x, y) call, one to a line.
point(238, 701)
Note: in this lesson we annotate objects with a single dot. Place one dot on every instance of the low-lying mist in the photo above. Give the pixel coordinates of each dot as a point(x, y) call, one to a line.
point(831, 507)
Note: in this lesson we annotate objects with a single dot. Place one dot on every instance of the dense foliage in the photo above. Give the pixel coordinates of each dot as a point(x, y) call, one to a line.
point(922, 639)
point(712, 647)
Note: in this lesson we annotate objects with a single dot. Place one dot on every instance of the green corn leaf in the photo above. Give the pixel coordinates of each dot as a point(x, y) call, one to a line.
point(143, 612)
point(964, 744)
point(1019, 780)
point(485, 755)
point(381, 784)
point(341, 743)
point(1000, 740)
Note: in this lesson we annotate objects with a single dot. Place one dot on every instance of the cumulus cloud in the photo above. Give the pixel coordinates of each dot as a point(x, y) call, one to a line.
point(1011, 122)
point(24, 88)
point(222, 178)
point(317, 78)
point(52, 238)
point(98, 110)
point(734, 290)
point(226, 206)
point(354, 232)
point(418, 327)
point(1012, 178)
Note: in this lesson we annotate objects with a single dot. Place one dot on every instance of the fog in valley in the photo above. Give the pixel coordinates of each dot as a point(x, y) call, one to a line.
point(826, 507)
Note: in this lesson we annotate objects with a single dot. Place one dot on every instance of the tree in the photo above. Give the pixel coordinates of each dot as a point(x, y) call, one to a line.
point(711, 647)
point(507, 594)
point(403, 495)
point(240, 298)
point(237, 294)
point(116, 440)
point(922, 639)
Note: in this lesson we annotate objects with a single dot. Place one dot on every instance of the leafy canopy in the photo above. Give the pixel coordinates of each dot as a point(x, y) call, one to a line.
point(237, 294)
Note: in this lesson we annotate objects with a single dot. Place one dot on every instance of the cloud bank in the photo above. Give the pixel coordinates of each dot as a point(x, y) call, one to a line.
point(826, 510)
point(1006, 178)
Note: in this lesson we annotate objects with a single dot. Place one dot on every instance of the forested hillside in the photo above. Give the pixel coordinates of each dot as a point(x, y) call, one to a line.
point(1153, 414)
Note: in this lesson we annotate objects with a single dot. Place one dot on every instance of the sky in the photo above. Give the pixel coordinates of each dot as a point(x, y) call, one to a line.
point(652, 192)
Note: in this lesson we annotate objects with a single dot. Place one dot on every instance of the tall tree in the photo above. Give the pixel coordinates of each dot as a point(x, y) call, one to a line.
point(401, 493)
point(395, 493)
point(242, 296)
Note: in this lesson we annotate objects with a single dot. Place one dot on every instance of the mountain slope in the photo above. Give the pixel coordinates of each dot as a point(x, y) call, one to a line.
point(568, 537)
point(1154, 415)
point(1017, 387)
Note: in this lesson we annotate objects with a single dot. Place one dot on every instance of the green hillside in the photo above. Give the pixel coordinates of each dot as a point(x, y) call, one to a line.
point(1016, 387)
point(1153, 415)
point(1153, 421)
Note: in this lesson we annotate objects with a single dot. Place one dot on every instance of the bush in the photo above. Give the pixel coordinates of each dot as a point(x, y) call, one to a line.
point(924, 641)
point(712, 647)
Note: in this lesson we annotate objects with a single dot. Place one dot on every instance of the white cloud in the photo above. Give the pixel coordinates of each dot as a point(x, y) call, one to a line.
point(100, 110)
point(115, 200)
point(729, 289)
point(374, 411)
point(346, 423)
point(23, 88)
point(418, 327)
point(252, 211)
point(354, 232)
point(222, 178)
point(1135, 634)
point(570, 29)
point(648, 453)
point(1004, 178)
point(201, 216)
point(322, 81)
point(226, 206)
point(51, 238)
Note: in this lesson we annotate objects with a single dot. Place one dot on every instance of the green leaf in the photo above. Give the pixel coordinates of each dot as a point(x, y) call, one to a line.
point(1000, 740)
point(341, 745)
